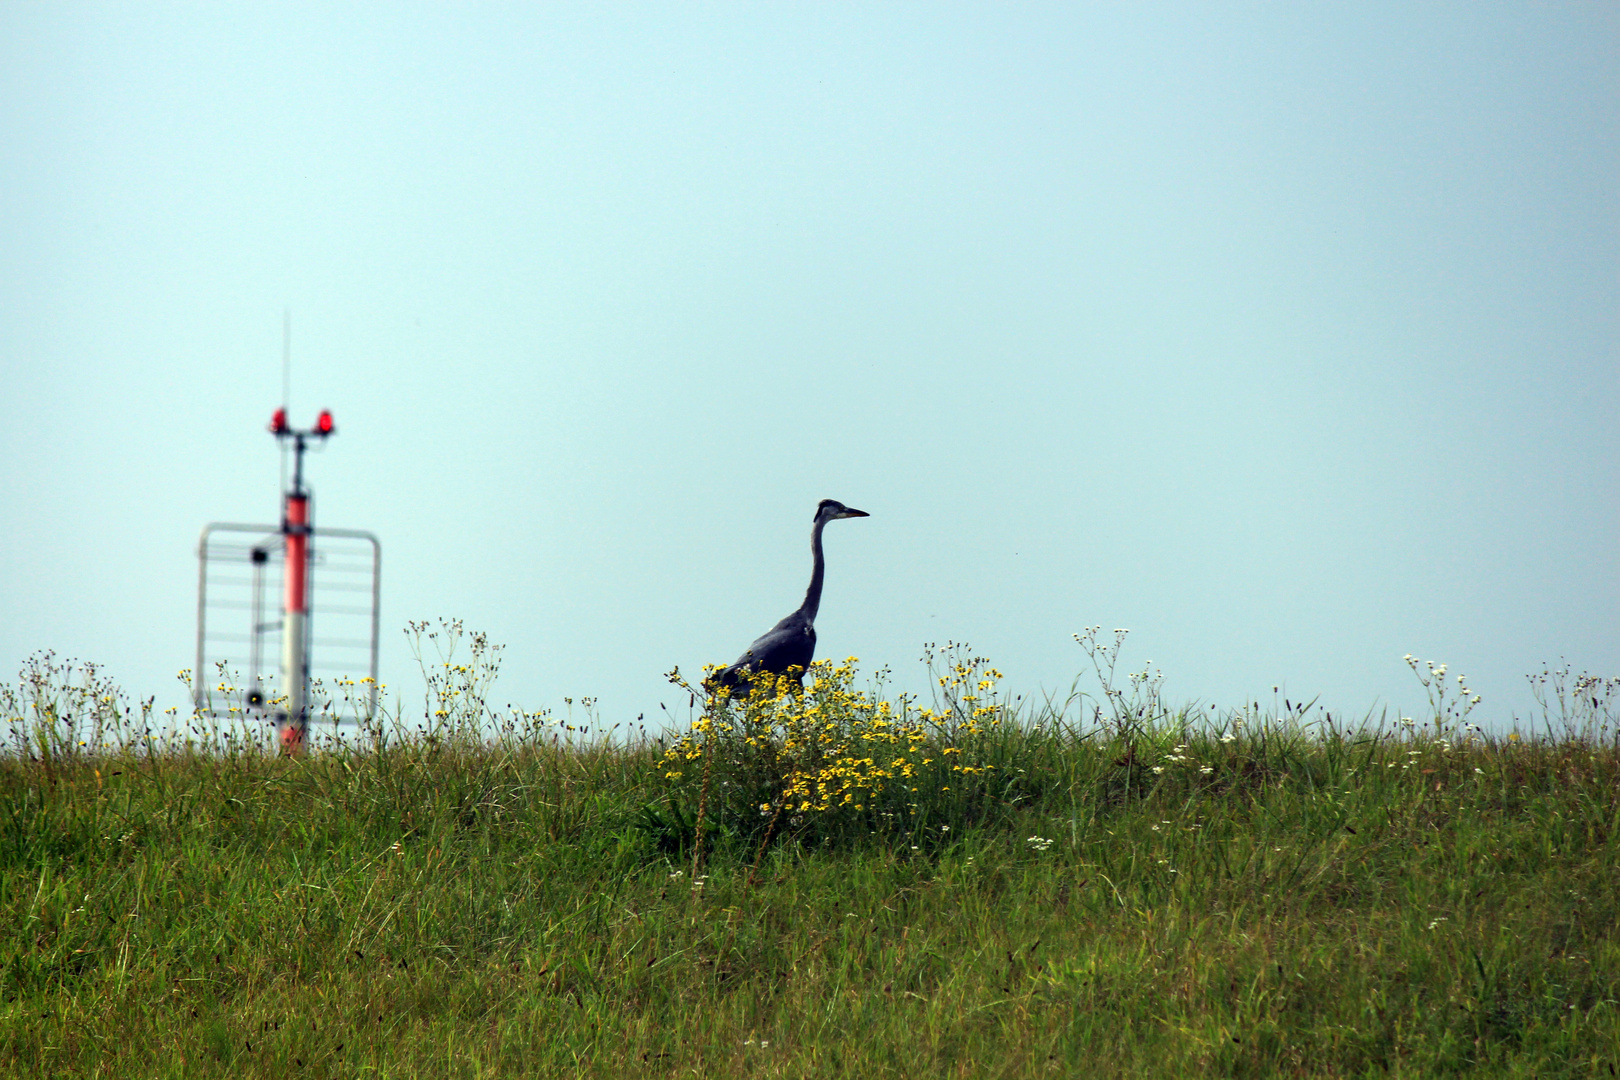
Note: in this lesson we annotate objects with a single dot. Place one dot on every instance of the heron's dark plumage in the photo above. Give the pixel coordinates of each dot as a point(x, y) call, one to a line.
point(791, 643)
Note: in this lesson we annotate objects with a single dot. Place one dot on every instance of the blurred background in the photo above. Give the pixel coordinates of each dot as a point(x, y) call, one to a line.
point(1287, 337)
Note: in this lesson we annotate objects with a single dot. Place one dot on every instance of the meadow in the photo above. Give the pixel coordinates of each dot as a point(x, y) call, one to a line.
point(838, 882)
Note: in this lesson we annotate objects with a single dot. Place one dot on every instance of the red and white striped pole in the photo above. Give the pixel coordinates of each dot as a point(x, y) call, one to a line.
point(296, 530)
point(295, 622)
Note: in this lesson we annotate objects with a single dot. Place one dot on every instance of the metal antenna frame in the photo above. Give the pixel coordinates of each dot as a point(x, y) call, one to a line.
point(297, 534)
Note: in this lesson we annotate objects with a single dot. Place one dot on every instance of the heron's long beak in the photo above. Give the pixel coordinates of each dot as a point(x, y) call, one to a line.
point(853, 513)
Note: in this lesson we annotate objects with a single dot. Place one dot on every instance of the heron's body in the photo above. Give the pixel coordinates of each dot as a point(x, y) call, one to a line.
point(791, 643)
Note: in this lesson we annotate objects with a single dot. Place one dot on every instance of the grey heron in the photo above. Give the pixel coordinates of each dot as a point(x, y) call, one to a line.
point(791, 643)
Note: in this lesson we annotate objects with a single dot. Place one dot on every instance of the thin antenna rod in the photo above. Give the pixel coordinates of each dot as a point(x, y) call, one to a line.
point(286, 381)
point(286, 357)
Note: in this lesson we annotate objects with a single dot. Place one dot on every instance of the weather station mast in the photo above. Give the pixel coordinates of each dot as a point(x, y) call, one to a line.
point(296, 528)
point(348, 563)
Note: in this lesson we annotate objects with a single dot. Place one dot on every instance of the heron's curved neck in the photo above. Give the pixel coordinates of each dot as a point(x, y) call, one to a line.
point(812, 596)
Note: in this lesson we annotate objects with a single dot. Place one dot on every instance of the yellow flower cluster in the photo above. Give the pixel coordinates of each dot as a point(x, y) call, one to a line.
point(831, 746)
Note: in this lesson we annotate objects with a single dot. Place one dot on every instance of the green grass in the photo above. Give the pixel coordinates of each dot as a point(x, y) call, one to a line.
point(1319, 902)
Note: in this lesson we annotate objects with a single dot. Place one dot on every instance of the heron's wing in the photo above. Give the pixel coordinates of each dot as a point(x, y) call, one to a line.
point(790, 643)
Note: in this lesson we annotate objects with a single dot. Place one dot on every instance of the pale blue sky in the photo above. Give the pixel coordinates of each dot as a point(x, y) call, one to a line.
point(1286, 336)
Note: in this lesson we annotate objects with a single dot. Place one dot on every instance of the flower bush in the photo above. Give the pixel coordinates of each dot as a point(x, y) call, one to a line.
point(825, 756)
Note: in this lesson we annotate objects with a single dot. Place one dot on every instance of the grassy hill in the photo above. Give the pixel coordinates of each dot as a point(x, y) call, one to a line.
point(1135, 895)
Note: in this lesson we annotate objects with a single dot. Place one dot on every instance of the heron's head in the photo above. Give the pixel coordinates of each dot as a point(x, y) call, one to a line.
point(832, 508)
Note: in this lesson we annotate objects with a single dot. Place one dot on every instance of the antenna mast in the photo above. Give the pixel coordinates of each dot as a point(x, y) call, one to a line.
point(296, 529)
point(293, 541)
